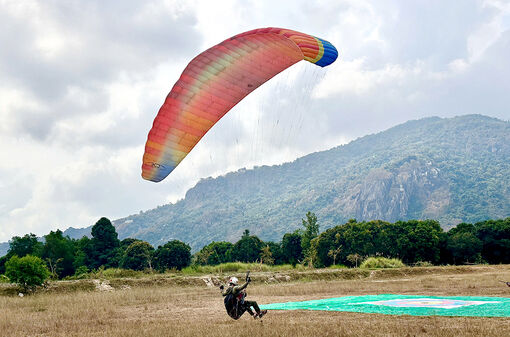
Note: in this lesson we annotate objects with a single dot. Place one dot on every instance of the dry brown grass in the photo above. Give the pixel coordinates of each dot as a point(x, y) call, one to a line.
point(170, 310)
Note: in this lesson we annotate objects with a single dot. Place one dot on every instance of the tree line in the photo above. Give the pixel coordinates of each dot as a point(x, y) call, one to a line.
point(413, 242)
point(65, 257)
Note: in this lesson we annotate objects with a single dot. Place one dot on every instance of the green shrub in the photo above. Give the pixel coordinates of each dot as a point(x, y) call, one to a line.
point(423, 264)
point(111, 273)
point(28, 271)
point(381, 262)
point(236, 267)
point(229, 267)
point(337, 266)
point(283, 267)
point(82, 272)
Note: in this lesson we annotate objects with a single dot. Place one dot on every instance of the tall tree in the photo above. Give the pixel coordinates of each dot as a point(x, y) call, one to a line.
point(419, 240)
point(58, 252)
point(266, 256)
point(81, 247)
point(426, 235)
point(276, 251)
point(102, 248)
point(291, 248)
point(247, 249)
point(325, 242)
point(310, 231)
point(174, 254)
point(495, 236)
point(138, 256)
point(3, 260)
point(465, 247)
point(215, 253)
point(26, 245)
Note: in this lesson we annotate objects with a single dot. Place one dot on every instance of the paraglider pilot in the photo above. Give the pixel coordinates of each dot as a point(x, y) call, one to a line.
point(235, 302)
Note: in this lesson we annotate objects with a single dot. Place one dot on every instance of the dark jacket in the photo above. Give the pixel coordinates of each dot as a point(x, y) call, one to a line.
point(234, 290)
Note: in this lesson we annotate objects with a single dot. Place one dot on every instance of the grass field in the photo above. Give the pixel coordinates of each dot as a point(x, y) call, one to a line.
point(157, 306)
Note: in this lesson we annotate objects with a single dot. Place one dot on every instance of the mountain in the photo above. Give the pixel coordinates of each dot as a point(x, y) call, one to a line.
point(4, 247)
point(449, 169)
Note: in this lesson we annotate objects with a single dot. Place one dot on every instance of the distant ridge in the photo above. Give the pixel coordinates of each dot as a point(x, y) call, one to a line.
point(4, 247)
point(449, 169)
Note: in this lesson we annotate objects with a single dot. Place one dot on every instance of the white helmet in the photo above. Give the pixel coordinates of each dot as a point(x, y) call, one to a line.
point(233, 280)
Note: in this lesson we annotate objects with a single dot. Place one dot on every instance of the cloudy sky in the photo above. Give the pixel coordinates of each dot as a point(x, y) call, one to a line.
point(81, 82)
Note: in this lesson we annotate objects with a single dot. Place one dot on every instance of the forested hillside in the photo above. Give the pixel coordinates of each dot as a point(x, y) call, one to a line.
point(451, 170)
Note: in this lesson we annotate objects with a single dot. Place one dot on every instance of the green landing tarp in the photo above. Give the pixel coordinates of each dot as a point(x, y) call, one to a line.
point(416, 305)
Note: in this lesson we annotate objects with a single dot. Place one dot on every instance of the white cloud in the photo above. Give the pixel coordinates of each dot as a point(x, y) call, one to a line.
point(83, 81)
point(351, 77)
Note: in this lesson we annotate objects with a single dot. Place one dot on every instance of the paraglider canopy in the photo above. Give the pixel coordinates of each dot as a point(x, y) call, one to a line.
point(215, 81)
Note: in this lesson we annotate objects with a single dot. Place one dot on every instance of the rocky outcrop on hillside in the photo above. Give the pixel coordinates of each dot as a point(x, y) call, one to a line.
point(415, 188)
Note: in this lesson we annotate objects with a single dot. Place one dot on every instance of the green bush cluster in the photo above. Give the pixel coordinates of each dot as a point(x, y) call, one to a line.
point(381, 262)
point(28, 271)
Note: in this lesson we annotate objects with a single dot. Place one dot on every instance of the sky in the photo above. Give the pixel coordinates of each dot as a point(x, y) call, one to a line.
point(81, 83)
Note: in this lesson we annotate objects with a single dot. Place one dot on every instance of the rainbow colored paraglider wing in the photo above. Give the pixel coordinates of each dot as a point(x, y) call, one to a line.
point(215, 81)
